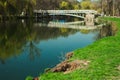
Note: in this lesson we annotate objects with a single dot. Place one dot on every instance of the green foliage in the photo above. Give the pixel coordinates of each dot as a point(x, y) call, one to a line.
point(76, 7)
point(29, 78)
point(15, 7)
point(85, 4)
point(64, 5)
point(3, 6)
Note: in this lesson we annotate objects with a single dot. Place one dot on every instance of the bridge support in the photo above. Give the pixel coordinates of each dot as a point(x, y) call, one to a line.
point(89, 19)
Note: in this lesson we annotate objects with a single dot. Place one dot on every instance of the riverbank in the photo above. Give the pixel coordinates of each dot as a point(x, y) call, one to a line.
point(7, 18)
point(104, 57)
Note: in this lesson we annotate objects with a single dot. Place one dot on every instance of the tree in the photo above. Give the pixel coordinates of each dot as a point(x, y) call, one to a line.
point(3, 6)
point(85, 4)
point(64, 5)
point(14, 7)
point(76, 7)
point(51, 4)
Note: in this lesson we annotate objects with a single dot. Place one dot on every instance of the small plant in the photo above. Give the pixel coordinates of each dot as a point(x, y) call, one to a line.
point(29, 78)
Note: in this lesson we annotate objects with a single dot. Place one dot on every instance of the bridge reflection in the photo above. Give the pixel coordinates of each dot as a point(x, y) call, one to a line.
point(72, 25)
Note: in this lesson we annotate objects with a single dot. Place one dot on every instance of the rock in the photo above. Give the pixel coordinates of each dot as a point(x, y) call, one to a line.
point(61, 67)
point(69, 55)
point(36, 78)
point(67, 66)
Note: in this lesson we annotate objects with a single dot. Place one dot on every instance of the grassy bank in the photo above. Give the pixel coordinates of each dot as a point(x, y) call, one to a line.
point(104, 57)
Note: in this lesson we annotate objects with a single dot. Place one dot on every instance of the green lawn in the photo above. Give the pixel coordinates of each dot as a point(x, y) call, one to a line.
point(104, 57)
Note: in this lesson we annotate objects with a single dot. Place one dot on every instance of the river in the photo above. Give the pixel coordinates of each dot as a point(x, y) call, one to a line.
point(27, 48)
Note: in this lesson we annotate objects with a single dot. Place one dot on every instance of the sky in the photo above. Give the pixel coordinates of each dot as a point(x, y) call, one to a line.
point(79, 0)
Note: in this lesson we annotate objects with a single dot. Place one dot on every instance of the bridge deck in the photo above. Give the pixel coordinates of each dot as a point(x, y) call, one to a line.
point(65, 11)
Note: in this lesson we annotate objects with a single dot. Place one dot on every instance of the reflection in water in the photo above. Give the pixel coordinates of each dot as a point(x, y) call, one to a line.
point(109, 29)
point(13, 35)
point(11, 39)
point(28, 49)
point(32, 50)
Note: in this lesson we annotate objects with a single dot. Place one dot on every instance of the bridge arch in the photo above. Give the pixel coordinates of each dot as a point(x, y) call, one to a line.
point(75, 13)
point(72, 15)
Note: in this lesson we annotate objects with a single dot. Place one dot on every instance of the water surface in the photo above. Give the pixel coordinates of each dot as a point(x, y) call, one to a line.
point(28, 49)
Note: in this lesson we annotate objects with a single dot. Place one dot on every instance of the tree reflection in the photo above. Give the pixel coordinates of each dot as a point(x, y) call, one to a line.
point(16, 37)
point(85, 31)
point(109, 29)
point(11, 39)
point(32, 49)
point(13, 35)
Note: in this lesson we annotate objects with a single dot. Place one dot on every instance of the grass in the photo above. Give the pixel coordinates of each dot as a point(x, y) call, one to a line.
point(104, 57)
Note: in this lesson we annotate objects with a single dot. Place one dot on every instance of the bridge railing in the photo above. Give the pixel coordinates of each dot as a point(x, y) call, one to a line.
point(66, 11)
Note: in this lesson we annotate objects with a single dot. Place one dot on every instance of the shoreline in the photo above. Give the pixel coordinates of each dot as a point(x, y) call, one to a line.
point(102, 56)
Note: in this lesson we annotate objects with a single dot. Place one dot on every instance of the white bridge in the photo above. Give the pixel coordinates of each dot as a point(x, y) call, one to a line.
point(72, 25)
point(74, 13)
